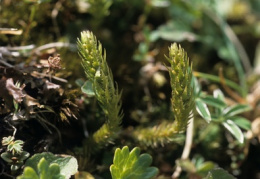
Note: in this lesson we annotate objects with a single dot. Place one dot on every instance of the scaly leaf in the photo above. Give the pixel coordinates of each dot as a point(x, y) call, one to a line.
point(105, 90)
point(183, 98)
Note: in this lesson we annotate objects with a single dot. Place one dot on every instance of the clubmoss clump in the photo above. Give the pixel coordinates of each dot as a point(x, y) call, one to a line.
point(182, 102)
point(106, 92)
point(182, 90)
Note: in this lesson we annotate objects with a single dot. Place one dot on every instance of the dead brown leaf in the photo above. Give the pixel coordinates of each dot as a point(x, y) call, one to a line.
point(15, 91)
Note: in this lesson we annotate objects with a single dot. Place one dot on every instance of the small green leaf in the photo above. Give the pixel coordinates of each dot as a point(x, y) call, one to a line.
point(16, 146)
point(217, 79)
point(187, 165)
point(7, 156)
point(87, 88)
point(132, 165)
point(173, 31)
point(15, 167)
point(68, 164)
point(43, 167)
point(242, 122)
point(196, 86)
point(45, 170)
point(236, 109)
point(28, 173)
point(35, 159)
point(219, 95)
point(7, 140)
point(15, 164)
point(202, 109)
point(54, 169)
point(197, 160)
point(234, 130)
point(219, 173)
point(83, 175)
point(23, 155)
point(80, 82)
point(205, 167)
point(216, 102)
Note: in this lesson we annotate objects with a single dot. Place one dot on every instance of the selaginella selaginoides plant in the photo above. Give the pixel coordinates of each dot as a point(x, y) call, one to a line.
point(106, 92)
point(182, 90)
point(182, 101)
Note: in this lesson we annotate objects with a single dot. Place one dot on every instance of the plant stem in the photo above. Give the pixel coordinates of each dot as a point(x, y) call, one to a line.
point(187, 147)
point(54, 45)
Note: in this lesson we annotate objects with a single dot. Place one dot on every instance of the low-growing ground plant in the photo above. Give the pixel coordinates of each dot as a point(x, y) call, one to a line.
point(140, 108)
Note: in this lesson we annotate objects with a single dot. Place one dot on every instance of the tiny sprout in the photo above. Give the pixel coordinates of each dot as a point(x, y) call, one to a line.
point(14, 154)
point(15, 146)
point(15, 160)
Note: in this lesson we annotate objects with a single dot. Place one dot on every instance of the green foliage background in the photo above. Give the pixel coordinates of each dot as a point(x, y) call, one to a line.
point(137, 34)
